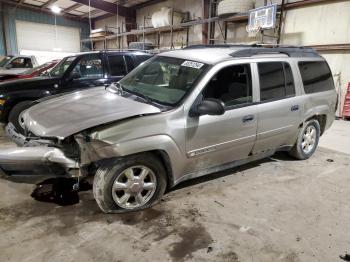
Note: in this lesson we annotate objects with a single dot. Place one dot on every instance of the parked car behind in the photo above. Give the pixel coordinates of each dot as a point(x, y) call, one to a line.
point(30, 73)
point(17, 64)
point(82, 71)
point(180, 115)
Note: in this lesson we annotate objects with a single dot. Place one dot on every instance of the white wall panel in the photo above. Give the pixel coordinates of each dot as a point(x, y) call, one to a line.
point(42, 37)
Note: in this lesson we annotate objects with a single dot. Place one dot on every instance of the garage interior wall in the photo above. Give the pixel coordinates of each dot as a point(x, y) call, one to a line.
point(10, 14)
point(330, 24)
point(29, 34)
point(195, 7)
point(112, 22)
point(321, 24)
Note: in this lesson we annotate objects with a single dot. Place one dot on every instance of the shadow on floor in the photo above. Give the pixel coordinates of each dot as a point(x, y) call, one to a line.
point(61, 190)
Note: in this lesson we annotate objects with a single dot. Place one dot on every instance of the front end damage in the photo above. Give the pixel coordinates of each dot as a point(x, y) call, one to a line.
point(38, 156)
point(73, 156)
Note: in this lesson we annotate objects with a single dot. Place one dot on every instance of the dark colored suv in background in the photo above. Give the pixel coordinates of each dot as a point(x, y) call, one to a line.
point(82, 71)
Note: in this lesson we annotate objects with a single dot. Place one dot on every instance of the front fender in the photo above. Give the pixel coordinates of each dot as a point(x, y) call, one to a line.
point(96, 150)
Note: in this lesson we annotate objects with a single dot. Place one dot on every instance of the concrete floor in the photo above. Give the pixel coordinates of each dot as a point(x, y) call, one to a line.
point(273, 210)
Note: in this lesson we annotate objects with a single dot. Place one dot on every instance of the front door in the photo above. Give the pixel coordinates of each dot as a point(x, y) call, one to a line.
point(216, 140)
point(279, 111)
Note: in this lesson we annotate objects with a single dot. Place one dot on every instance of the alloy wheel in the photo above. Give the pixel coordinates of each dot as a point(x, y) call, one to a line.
point(309, 139)
point(134, 187)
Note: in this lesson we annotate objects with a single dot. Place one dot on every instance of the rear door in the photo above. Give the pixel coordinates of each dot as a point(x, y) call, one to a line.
point(117, 67)
point(280, 109)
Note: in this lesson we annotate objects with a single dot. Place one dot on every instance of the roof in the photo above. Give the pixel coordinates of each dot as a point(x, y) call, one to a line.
point(122, 51)
point(204, 55)
point(215, 54)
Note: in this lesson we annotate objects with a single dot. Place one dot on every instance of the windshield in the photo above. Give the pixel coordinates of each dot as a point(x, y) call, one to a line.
point(164, 80)
point(35, 69)
point(5, 60)
point(62, 66)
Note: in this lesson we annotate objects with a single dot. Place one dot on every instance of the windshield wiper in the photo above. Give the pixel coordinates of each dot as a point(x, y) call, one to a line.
point(115, 88)
point(143, 97)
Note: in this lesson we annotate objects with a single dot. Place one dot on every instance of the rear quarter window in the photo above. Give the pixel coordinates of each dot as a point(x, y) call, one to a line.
point(316, 76)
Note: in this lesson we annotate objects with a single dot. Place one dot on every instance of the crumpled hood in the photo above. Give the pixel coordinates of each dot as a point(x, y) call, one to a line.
point(69, 114)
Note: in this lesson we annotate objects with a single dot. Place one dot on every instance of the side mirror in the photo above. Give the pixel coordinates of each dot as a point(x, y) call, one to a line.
point(210, 107)
point(9, 66)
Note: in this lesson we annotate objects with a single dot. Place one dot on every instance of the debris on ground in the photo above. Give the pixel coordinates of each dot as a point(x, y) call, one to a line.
point(217, 202)
point(346, 257)
point(209, 249)
point(59, 191)
point(330, 160)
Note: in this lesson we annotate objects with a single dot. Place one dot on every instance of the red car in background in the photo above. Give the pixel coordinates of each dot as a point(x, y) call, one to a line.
point(30, 73)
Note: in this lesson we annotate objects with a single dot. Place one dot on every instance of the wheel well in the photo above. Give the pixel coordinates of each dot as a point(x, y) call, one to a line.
point(13, 103)
point(322, 120)
point(164, 157)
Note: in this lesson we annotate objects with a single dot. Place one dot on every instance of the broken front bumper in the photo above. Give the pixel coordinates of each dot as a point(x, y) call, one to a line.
point(40, 160)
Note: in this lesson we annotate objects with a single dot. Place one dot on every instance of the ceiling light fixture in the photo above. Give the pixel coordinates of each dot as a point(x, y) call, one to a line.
point(55, 9)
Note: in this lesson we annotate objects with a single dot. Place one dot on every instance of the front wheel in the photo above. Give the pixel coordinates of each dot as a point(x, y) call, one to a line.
point(307, 141)
point(129, 184)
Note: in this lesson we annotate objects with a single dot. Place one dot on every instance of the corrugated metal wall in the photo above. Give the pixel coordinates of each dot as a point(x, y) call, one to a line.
point(2, 44)
point(9, 14)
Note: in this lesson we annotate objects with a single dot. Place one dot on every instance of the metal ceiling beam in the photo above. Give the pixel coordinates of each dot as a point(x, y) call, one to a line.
point(306, 3)
point(147, 3)
point(108, 7)
point(71, 8)
point(39, 9)
point(92, 13)
point(48, 3)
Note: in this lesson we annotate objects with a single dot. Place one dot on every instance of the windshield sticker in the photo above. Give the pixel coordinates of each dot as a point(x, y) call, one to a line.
point(192, 64)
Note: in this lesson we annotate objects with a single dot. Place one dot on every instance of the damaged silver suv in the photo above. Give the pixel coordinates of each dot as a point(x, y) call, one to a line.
point(180, 115)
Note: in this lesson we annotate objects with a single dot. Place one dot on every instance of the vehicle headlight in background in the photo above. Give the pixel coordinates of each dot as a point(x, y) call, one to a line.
point(2, 102)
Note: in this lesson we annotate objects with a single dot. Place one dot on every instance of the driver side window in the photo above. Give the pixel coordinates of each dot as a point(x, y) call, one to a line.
point(89, 67)
point(21, 62)
point(232, 85)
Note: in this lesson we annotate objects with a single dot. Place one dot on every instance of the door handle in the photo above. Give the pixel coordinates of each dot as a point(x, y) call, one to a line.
point(247, 118)
point(294, 108)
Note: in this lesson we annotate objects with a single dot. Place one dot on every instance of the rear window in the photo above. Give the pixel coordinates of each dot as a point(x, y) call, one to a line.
point(316, 76)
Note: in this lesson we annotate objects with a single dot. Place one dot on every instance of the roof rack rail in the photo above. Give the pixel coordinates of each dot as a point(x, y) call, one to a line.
point(219, 46)
point(289, 51)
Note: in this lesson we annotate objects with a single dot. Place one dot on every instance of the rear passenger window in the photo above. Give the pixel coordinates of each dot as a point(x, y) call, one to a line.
point(141, 58)
point(117, 65)
point(276, 81)
point(129, 63)
point(316, 76)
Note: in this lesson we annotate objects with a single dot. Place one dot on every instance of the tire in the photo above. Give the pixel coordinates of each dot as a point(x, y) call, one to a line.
point(229, 7)
point(15, 115)
point(300, 150)
point(117, 174)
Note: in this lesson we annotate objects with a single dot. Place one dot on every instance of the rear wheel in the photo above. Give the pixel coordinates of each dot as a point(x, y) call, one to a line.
point(307, 141)
point(15, 116)
point(129, 184)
